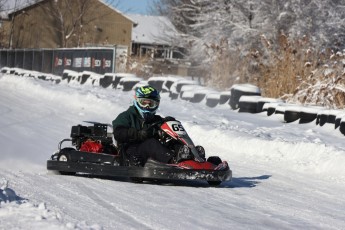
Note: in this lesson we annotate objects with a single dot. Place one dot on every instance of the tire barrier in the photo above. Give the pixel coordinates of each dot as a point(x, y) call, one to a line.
point(342, 126)
point(338, 119)
point(244, 97)
point(212, 99)
point(107, 80)
point(186, 95)
point(290, 112)
point(156, 82)
point(306, 117)
point(239, 90)
point(127, 83)
point(321, 119)
point(198, 97)
point(280, 109)
point(69, 74)
point(173, 96)
point(264, 100)
point(118, 78)
point(270, 108)
point(84, 77)
point(179, 86)
point(328, 116)
point(248, 104)
point(309, 114)
point(331, 117)
point(224, 97)
point(167, 84)
point(199, 93)
point(291, 116)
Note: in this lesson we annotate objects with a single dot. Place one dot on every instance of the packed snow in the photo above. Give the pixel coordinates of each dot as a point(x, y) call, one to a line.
point(285, 175)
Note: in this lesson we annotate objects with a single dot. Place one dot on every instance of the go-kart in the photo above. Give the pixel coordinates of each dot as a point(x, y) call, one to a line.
point(93, 152)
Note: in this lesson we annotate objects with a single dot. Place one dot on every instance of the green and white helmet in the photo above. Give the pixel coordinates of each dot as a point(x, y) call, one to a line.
point(146, 100)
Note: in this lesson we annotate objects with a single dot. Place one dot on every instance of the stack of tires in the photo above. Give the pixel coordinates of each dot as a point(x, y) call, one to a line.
point(239, 90)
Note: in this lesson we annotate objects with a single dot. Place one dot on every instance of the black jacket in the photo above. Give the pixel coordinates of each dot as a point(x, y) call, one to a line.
point(127, 125)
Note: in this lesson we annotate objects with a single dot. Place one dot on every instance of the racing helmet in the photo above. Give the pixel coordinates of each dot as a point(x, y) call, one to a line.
point(146, 100)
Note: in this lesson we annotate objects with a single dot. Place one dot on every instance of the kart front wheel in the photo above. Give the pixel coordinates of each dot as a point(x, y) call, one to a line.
point(136, 180)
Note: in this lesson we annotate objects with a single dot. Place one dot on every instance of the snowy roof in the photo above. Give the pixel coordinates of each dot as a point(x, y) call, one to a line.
point(152, 29)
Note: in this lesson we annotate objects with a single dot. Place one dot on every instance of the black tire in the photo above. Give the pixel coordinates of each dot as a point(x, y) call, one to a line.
point(323, 119)
point(214, 160)
point(307, 117)
point(270, 111)
point(337, 122)
point(224, 99)
point(236, 95)
point(342, 128)
point(64, 155)
point(291, 116)
point(247, 107)
point(136, 180)
point(214, 183)
point(210, 102)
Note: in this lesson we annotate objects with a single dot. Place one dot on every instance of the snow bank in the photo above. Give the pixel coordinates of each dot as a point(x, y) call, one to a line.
point(16, 212)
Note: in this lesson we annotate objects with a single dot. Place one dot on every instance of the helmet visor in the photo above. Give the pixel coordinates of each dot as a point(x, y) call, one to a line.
point(147, 103)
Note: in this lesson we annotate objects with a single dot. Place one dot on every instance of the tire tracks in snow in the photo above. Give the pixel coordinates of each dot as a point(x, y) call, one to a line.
point(110, 206)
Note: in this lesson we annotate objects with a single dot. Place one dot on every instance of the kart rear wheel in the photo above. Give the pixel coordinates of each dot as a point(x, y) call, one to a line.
point(64, 155)
point(214, 183)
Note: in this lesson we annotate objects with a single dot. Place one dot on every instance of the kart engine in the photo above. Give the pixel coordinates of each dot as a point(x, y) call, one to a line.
point(93, 139)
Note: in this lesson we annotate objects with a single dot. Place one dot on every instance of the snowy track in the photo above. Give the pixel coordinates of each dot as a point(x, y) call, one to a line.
point(286, 176)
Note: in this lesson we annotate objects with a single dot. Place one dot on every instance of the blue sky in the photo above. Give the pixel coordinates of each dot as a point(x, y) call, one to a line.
point(126, 6)
point(134, 6)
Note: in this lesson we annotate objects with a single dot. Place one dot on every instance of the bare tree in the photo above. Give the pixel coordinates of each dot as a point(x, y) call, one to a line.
point(2, 31)
point(69, 19)
point(11, 32)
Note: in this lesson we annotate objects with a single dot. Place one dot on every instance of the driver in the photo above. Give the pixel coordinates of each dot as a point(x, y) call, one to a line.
point(133, 129)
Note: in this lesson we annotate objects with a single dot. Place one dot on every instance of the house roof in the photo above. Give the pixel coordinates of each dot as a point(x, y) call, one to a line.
point(11, 6)
point(152, 29)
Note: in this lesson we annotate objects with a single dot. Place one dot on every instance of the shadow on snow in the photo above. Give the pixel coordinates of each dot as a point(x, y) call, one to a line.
point(236, 182)
point(244, 182)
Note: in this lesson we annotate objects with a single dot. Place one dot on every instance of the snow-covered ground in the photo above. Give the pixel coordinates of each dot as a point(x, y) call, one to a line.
point(285, 176)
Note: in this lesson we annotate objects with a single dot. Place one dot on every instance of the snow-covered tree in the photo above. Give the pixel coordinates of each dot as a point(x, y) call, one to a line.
point(221, 32)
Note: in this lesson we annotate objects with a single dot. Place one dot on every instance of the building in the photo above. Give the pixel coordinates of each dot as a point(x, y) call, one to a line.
point(51, 24)
point(154, 36)
point(62, 24)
